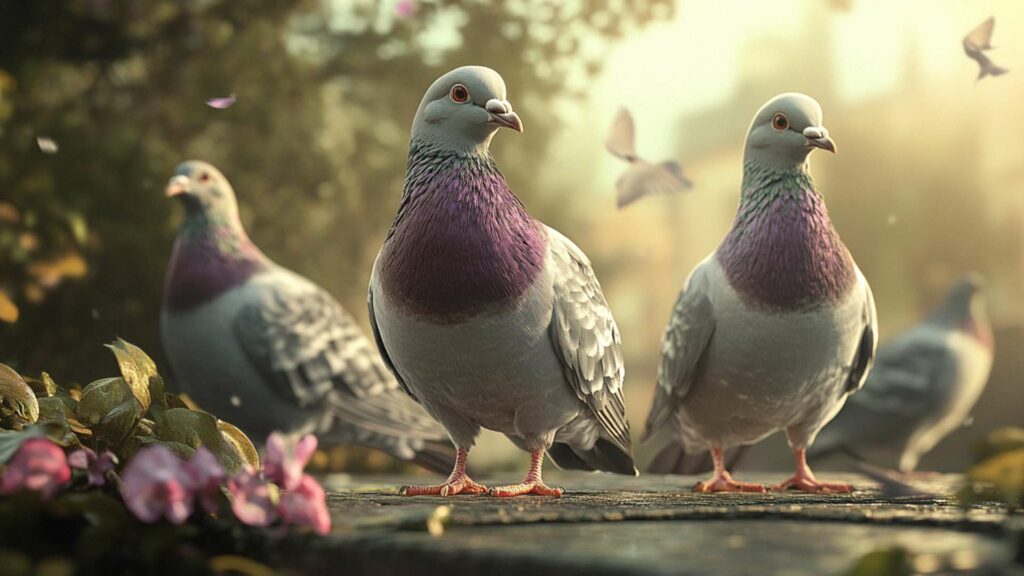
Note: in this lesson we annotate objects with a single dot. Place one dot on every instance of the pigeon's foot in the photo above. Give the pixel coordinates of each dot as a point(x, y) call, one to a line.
point(532, 484)
point(805, 481)
point(811, 484)
point(526, 488)
point(457, 483)
point(723, 482)
point(453, 486)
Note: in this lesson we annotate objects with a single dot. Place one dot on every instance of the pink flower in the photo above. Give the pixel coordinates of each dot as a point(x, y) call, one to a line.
point(286, 459)
point(252, 498)
point(156, 484)
point(40, 466)
point(306, 505)
point(205, 477)
point(405, 8)
point(96, 466)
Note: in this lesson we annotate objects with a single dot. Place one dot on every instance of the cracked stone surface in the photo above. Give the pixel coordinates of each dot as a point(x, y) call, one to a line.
point(608, 524)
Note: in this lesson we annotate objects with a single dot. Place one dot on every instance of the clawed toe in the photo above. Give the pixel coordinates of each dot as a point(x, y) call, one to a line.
point(804, 484)
point(720, 484)
point(450, 488)
point(526, 488)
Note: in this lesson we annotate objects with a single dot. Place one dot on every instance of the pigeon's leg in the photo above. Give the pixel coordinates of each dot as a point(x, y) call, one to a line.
point(722, 481)
point(805, 481)
point(457, 483)
point(532, 483)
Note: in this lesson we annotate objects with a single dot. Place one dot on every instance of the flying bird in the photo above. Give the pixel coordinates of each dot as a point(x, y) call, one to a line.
point(775, 328)
point(642, 177)
point(976, 43)
point(267, 349)
point(488, 317)
point(923, 386)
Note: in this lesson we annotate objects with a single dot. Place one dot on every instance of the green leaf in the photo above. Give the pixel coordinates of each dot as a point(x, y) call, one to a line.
point(195, 428)
point(242, 444)
point(181, 450)
point(136, 368)
point(893, 561)
point(119, 422)
point(18, 404)
point(1005, 439)
point(101, 397)
point(10, 441)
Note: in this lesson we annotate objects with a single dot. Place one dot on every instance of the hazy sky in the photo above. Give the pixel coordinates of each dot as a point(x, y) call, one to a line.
point(687, 64)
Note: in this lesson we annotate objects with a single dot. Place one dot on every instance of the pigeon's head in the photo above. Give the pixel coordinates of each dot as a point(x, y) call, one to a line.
point(203, 190)
point(967, 295)
point(463, 109)
point(785, 130)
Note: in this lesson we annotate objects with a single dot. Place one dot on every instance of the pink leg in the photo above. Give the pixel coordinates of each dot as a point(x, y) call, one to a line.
point(805, 481)
point(457, 483)
point(722, 481)
point(531, 484)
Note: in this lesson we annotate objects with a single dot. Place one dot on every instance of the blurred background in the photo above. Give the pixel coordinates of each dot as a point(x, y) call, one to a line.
point(100, 99)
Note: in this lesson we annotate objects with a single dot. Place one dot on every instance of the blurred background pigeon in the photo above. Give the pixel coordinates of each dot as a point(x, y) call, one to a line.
point(775, 328)
point(923, 386)
point(976, 43)
point(488, 317)
point(266, 349)
point(642, 177)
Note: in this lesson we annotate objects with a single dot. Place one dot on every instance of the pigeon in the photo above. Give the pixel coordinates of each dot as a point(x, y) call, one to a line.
point(642, 177)
point(923, 386)
point(976, 43)
point(489, 318)
point(267, 349)
point(777, 326)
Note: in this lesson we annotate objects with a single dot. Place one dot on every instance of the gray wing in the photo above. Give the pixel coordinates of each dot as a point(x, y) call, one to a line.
point(643, 178)
point(981, 37)
point(901, 393)
point(312, 352)
point(864, 358)
point(380, 342)
point(586, 338)
point(621, 140)
point(689, 331)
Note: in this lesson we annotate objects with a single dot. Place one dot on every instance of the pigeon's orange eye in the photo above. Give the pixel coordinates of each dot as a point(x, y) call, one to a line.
point(780, 122)
point(204, 177)
point(459, 94)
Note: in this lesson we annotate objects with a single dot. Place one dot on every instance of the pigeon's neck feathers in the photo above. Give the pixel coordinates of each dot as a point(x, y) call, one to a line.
point(782, 252)
point(461, 242)
point(211, 255)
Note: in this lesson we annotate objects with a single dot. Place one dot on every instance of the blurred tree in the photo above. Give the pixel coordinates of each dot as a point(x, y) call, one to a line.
point(315, 146)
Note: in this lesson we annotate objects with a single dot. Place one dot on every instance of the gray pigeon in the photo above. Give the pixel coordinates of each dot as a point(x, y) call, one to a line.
point(642, 177)
point(776, 327)
point(266, 349)
point(976, 43)
point(923, 386)
point(488, 317)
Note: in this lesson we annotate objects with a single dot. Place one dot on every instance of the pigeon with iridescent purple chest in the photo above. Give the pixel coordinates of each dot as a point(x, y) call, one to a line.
point(488, 317)
point(774, 329)
point(267, 349)
point(923, 386)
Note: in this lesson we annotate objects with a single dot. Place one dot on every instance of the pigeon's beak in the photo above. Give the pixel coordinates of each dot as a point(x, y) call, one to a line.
point(817, 137)
point(502, 114)
point(177, 185)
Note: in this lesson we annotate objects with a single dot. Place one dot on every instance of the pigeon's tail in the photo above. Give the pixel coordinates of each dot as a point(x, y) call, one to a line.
point(436, 456)
point(674, 459)
point(990, 69)
point(604, 456)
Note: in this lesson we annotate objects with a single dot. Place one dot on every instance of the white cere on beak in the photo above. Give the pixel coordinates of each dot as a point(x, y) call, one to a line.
point(495, 106)
point(815, 132)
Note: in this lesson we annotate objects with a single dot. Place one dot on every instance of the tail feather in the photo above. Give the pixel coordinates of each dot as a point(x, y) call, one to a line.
point(674, 459)
point(436, 456)
point(604, 456)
